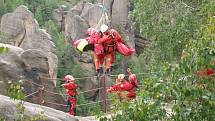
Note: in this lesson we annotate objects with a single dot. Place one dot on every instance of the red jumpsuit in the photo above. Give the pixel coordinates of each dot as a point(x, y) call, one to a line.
point(205, 72)
point(134, 81)
point(71, 91)
point(122, 87)
point(98, 50)
point(109, 40)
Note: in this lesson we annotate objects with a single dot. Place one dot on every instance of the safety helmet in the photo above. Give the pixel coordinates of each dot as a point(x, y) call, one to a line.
point(69, 78)
point(132, 77)
point(121, 76)
point(103, 28)
point(90, 31)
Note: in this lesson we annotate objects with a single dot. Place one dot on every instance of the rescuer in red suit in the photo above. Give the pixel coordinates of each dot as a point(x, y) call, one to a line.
point(93, 38)
point(132, 79)
point(108, 40)
point(71, 87)
point(123, 87)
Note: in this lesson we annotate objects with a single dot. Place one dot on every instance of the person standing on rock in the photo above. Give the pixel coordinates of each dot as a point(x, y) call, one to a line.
point(71, 87)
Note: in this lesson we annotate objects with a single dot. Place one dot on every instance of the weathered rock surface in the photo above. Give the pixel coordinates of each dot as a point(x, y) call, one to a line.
point(84, 15)
point(120, 11)
point(32, 55)
point(9, 111)
point(31, 66)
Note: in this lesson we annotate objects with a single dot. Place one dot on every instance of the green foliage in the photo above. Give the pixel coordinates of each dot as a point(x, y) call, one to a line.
point(16, 91)
point(4, 50)
point(42, 9)
point(92, 1)
point(87, 110)
point(183, 43)
point(170, 24)
point(9, 5)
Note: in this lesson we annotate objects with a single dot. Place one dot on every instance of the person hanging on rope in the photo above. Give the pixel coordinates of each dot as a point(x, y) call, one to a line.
point(71, 87)
point(109, 36)
point(94, 36)
point(112, 41)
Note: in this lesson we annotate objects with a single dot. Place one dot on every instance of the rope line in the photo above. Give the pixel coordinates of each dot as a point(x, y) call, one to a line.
point(53, 92)
point(88, 77)
point(43, 88)
point(76, 105)
point(78, 93)
point(55, 103)
point(32, 94)
point(34, 83)
point(90, 90)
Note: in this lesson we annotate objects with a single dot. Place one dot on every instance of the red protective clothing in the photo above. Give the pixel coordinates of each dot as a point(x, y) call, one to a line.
point(122, 87)
point(98, 49)
point(133, 80)
point(71, 91)
point(210, 71)
point(123, 49)
point(205, 72)
point(109, 40)
point(110, 36)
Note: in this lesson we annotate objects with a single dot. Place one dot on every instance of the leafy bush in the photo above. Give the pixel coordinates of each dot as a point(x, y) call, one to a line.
point(183, 43)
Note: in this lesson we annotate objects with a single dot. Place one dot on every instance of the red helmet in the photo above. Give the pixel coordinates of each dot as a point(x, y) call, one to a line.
point(132, 77)
point(90, 31)
point(69, 78)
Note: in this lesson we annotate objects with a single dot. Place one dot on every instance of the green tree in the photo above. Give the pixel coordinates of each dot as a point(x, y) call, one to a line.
point(9, 5)
point(166, 22)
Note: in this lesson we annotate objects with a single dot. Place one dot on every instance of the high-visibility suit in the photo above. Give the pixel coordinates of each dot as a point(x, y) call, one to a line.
point(93, 38)
point(109, 40)
point(129, 87)
point(205, 72)
point(120, 88)
point(132, 79)
point(71, 87)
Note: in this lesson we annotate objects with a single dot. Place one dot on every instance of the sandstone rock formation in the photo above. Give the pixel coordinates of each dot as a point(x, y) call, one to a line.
point(85, 15)
point(32, 55)
point(9, 112)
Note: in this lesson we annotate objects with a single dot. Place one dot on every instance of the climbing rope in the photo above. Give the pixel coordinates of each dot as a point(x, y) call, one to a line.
point(104, 18)
point(32, 93)
point(90, 77)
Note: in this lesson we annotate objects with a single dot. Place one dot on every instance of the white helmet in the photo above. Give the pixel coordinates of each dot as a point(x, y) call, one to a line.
point(69, 78)
point(121, 76)
point(103, 28)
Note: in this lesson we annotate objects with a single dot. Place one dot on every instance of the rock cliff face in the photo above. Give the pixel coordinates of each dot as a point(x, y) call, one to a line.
point(9, 111)
point(79, 18)
point(32, 55)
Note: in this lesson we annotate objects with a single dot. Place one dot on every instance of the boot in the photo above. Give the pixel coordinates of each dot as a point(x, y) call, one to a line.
point(107, 71)
point(111, 68)
point(97, 72)
point(100, 71)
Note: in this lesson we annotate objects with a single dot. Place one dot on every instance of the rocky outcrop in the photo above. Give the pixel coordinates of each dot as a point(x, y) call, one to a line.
point(32, 55)
point(10, 112)
point(84, 15)
point(31, 66)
